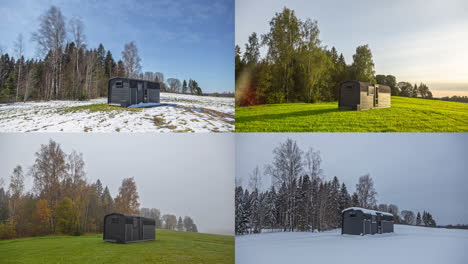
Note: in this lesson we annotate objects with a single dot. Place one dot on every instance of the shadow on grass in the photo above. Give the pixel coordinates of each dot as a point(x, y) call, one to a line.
point(288, 115)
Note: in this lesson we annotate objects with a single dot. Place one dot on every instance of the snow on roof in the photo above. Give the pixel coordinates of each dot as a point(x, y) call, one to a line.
point(366, 211)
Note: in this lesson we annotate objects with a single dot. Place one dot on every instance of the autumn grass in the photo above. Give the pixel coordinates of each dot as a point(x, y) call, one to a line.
point(99, 108)
point(405, 115)
point(169, 247)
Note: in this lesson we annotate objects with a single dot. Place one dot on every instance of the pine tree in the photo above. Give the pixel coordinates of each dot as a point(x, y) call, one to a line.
point(184, 87)
point(418, 219)
point(180, 224)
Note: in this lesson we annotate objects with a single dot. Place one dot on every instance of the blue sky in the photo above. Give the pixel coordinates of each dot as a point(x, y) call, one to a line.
point(418, 40)
point(180, 38)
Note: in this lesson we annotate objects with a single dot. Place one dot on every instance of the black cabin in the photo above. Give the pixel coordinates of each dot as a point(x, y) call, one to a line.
point(354, 95)
point(121, 228)
point(360, 221)
point(125, 92)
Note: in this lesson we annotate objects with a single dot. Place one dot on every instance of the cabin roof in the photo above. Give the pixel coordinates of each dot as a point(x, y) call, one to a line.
point(382, 87)
point(366, 211)
point(130, 79)
point(129, 216)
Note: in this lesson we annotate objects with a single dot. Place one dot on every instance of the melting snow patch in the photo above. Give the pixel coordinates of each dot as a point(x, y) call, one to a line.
point(51, 116)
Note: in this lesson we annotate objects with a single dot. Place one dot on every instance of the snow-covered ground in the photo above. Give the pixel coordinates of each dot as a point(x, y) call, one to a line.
point(409, 244)
point(180, 113)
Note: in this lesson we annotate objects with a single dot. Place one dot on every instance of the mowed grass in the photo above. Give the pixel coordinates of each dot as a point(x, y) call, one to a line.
point(405, 115)
point(169, 247)
point(99, 108)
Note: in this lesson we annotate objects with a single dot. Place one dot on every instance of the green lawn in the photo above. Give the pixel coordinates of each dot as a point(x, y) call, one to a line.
point(169, 247)
point(405, 115)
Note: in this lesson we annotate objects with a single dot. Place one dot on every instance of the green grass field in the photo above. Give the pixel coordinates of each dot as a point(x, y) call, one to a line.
point(169, 247)
point(405, 115)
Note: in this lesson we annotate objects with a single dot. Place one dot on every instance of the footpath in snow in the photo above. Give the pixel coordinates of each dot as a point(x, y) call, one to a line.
point(177, 113)
point(409, 244)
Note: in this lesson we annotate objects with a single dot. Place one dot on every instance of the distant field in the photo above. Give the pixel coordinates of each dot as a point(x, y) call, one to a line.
point(405, 115)
point(169, 247)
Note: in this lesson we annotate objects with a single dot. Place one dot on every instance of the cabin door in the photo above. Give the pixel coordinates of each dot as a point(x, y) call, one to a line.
point(133, 96)
point(376, 97)
point(140, 92)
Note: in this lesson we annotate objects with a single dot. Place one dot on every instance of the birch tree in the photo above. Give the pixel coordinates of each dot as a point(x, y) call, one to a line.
point(50, 38)
point(131, 60)
point(19, 50)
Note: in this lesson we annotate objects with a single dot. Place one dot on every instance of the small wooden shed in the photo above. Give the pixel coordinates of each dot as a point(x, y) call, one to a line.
point(125, 92)
point(360, 221)
point(355, 95)
point(122, 228)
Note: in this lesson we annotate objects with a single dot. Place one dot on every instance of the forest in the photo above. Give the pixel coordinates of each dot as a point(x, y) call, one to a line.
point(297, 67)
point(62, 201)
point(66, 68)
point(301, 199)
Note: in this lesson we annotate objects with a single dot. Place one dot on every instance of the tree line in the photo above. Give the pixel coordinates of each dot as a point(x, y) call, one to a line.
point(67, 69)
point(170, 221)
point(62, 201)
point(298, 68)
point(455, 98)
point(301, 199)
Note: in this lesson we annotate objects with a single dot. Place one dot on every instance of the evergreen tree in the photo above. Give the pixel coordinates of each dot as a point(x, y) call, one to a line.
point(180, 224)
point(418, 219)
point(184, 87)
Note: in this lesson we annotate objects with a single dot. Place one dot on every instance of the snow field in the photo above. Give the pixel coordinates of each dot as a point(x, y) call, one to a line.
point(409, 244)
point(186, 113)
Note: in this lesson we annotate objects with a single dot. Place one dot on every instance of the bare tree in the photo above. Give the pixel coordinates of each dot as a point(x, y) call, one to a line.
point(383, 207)
point(131, 60)
point(19, 50)
point(79, 38)
point(408, 217)
point(50, 37)
point(393, 209)
point(312, 163)
point(255, 181)
point(174, 84)
point(366, 192)
point(149, 76)
point(286, 169)
point(170, 221)
point(287, 163)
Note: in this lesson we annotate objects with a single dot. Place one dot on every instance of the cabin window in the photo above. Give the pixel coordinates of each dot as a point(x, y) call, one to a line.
point(370, 90)
point(352, 214)
point(114, 220)
point(134, 222)
point(349, 87)
point(118, 84)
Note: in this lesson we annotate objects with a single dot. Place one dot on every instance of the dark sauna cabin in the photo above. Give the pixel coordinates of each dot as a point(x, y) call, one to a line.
point(354, 95)
point(122, 229)
point(125, 92)
point(360, 221)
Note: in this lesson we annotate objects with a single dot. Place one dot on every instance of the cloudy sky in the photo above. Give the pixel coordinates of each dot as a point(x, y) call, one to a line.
point(420, 40)
point(180, 38)
point(181, 174)
point(416, 171)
